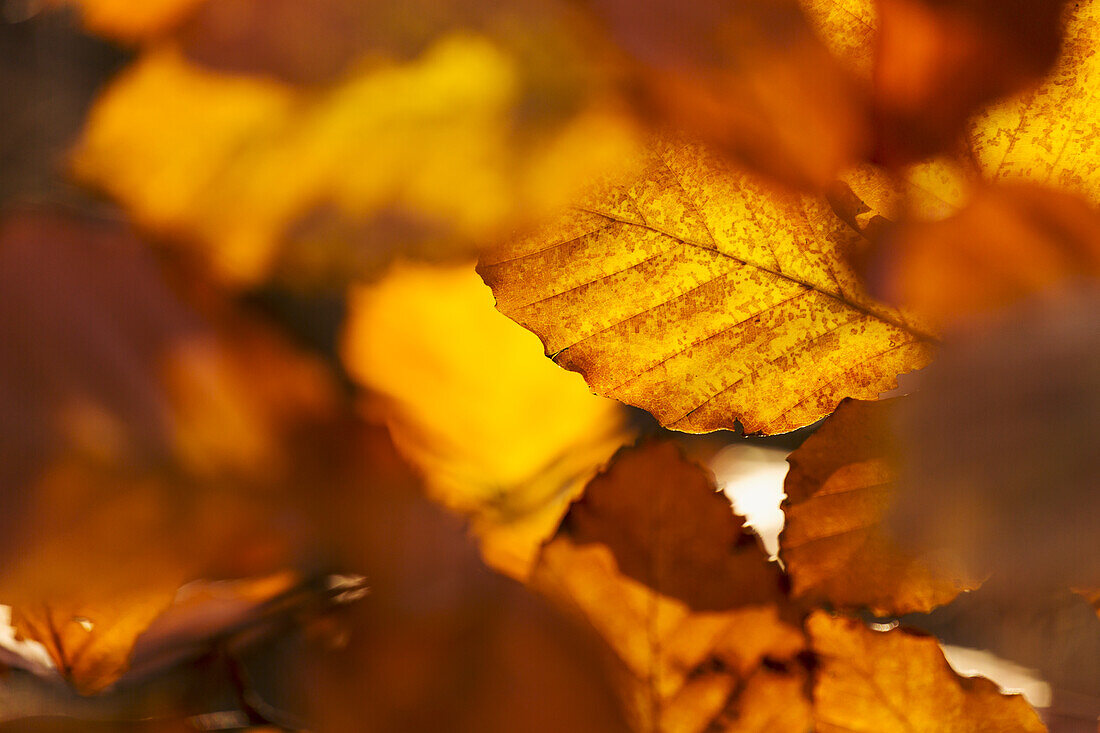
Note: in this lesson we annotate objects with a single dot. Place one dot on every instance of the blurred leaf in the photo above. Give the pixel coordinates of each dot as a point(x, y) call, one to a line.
point(750, 78)
point(999, 439)
point(441, 642)
point(940, 61)
point(1008, 242)
point(655, 559)
point(1047, 135)
point(131, 22)
point(838, 490)
point(148, 440)
point(499, 432)
point(898, 680)
point(436, 143)
point(707, 299)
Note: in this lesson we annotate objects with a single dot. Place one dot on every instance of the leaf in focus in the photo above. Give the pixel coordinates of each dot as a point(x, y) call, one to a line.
point(434, 150)
point(836, 551)
point(656, 560)
point(701, 296)
point(881, 682)
point(749, 78)
point(1007, 243)
point(499, 432)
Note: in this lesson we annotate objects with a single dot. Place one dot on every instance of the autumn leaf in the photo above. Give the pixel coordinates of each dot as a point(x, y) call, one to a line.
point(691, 607)
point(899, 681)
point(499, 433)
point(424, 155)
point(705, 633)
point(834, 544)
point(749, 78)
point(1047, 135)
point(1008, 489)
point(1009, 242)
point(706, 299)
point(128, 21)
point(144, 444)
point(441, 642)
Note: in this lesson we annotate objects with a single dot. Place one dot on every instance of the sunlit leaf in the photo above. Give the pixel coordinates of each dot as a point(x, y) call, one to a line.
point(1048, 135)
point(702, 296)
point(499, 432)
point(898, 680)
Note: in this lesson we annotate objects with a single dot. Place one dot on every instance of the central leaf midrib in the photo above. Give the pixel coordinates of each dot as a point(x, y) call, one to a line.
point(916, 333)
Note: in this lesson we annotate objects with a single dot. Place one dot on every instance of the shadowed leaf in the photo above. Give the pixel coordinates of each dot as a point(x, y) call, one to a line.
point(839, 487)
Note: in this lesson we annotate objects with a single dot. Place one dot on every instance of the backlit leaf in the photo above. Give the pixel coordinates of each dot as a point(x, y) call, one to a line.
point(707, 299)
point(499, 433)
point(882, 682)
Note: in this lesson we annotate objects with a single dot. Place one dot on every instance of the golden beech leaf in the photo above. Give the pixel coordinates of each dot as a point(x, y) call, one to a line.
point(705, 298)
point(656, 560)
point(838, 489)
point(1047, 135)
point(881, 682)
point(434, 150)
point(499, 433)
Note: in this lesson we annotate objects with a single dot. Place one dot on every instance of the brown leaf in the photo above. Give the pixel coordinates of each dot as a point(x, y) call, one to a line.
point(442, 643)
point(940, 61)
point(657, 562)
point(700, 295)
point(881, 682)
point(750, 78)
point(836, 549)
point(1007, 243)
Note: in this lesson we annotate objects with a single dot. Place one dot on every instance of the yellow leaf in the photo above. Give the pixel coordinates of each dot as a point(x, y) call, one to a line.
point(1048, 135)
point(707, 299)
point(130, 21)
point(234, 164)
point(838, 490)
point(499, 432)
point(882, 682)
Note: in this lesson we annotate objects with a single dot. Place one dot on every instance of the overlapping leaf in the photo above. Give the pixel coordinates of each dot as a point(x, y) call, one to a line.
point(708, 639)
point(835, 548)
point(702, 296)
point(426, 156)
point(499, 433)
point(899, 681)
